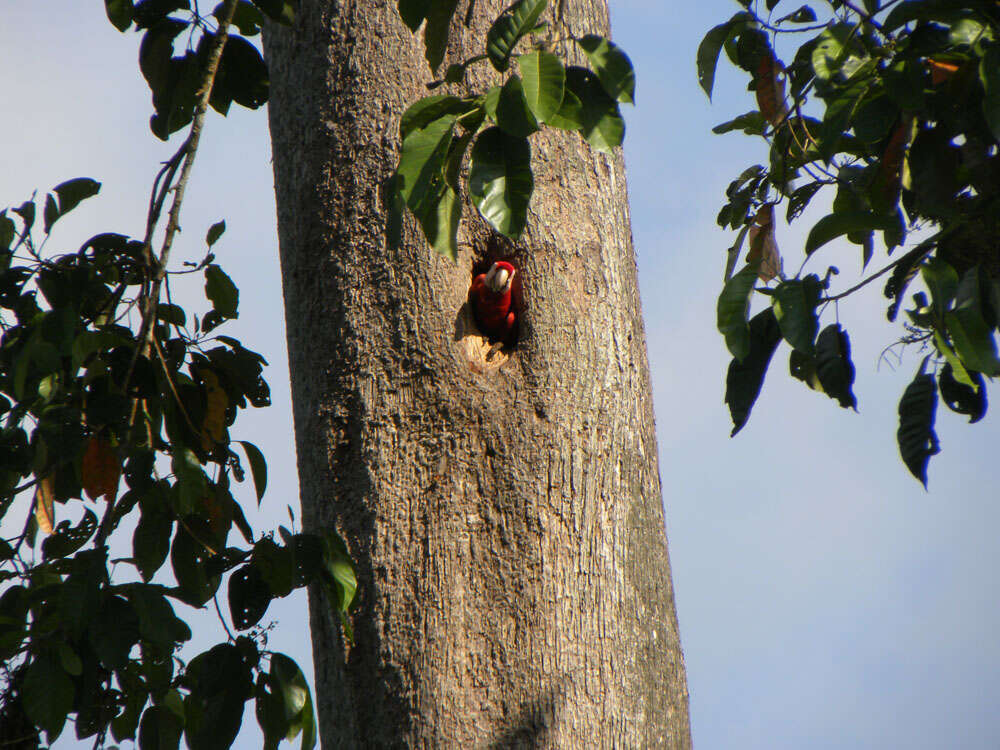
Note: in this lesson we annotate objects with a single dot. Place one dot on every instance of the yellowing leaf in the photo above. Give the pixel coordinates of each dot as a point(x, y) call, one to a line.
point(100, 469)
point(213, 428)
point(763, 247)
point(45, 514)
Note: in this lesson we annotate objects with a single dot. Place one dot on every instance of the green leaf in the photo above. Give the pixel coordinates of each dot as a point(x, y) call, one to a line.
point(66, 540)
point(794, 305)
point(751, 123)
point(798, 200)
point(513, 114)
point(151, 539)
point(421, 164)
point(831, 50)
point(441, 226)
point(961, 398)
point(214, 232)
point(500, 180)
point(220, 682)
point(838, 224)
point(187, 556)
point(711, 46)
point(249, 596)
point(157, 622)
point(276, 565)
point(951, 358)
point(613, 68)
point(114, 631)
point(413, 12)
point(989, 74)
point(834, 367)
point(258, 467)
point(424, 111)
point(160, 729)
point(972, 337)
point(570, 113)
point(290, 684)
point(544, 81)
point(247, 18)
point(221, 291)
point(942, 282)
point(805, 14)
point(915, 436)
point(601, 122)
point(119, 13)
point(47, 695)
point(242, 77)
point(439, 15)
point(732, 311)
point(508, 29)
point(744, 379)
point(282, 11)
point(50, 214)
point(173, 314)
point(72, 192)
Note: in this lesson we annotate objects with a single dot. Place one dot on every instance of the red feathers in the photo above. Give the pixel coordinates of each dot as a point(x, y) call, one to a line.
point(493, 299)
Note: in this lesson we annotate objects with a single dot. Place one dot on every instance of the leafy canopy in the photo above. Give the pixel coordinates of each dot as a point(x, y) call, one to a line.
point(892, 109)
point(437, 131)
point(104, 379)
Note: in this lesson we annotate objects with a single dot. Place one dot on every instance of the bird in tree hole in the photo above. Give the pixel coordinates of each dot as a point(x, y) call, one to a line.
point(493, 298)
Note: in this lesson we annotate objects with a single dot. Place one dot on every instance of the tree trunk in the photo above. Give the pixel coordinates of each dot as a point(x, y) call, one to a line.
point(506, 521)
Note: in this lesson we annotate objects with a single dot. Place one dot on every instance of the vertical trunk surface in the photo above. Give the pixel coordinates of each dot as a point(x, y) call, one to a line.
point(506, 521)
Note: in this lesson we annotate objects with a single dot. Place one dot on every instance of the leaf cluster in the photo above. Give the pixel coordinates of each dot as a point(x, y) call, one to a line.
point(892, 110)
point(438, 131)
point(117, 407)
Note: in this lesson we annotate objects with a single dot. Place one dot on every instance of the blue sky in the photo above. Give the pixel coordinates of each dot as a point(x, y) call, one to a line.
point(825, 600)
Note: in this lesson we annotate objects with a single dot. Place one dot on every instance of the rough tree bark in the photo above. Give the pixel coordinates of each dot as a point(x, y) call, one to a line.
point(507, 523)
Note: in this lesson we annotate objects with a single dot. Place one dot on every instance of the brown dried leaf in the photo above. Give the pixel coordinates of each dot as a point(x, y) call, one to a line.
point(100, 469)
point(941, 71)
point(770, 89)
point(890, 169)
point(45, 513)
point(763, 246)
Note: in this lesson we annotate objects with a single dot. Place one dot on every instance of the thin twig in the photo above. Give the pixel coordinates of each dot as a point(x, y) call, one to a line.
point(190, 150)
point(864, 15)
point(865, 282)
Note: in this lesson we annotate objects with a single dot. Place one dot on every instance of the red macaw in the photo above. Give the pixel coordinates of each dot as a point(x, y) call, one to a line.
point(493, 300)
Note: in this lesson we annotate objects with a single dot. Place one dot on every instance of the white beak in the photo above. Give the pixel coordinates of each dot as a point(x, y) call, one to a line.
point(498, 279)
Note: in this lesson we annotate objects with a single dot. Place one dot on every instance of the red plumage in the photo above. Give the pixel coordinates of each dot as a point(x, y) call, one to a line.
point(493, 299)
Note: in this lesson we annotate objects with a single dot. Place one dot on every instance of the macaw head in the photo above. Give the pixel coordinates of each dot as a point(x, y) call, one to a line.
point(500, 277)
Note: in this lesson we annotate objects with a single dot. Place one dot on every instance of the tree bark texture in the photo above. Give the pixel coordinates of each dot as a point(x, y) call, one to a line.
point(506, 522)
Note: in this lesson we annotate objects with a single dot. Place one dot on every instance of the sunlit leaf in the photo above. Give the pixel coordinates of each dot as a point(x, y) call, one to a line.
point(509, 28)
point(500, 180)
point(544, 80)
point(513, 114)
point(612, 66)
